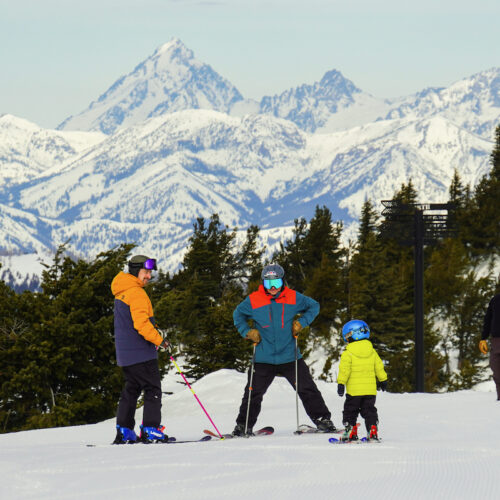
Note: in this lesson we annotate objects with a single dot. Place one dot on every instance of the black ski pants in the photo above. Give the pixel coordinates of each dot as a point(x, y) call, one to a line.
point(140, 377)
point(262, 378)
point(364, 405)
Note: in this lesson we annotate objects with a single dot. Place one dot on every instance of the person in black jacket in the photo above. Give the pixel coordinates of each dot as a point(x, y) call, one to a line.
point(492, 328)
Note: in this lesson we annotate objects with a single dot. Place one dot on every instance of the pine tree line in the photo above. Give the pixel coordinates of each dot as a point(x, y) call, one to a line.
point(57, 361)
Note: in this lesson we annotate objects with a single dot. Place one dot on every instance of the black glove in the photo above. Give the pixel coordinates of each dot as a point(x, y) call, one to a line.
point(383, 385)
point(340, 389)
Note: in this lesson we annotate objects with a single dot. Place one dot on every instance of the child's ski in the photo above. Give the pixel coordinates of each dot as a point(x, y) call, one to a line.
point(363, 440)
point(265, 431)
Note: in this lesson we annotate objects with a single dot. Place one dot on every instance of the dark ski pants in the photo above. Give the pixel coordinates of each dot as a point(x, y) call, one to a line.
point(495, 362)
point(364, 405)
point(140, 377)
point(262, 378)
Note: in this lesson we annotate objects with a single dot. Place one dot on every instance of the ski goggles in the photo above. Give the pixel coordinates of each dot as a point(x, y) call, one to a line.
point(275, 283)
point(150, 264)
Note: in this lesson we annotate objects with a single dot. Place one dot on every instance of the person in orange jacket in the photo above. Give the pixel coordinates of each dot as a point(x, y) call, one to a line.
point(136, 341)
point(491, 327)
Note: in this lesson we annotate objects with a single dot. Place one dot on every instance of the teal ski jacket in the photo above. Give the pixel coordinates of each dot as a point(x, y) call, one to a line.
point(273, 317)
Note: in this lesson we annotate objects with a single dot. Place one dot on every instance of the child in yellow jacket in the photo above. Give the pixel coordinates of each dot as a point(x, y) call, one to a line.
point(360, 368)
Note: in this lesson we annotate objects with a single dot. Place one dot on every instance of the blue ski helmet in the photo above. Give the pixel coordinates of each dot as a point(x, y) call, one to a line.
point(356, 329)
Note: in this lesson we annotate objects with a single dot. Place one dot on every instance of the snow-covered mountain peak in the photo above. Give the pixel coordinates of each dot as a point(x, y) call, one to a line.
point(312, 106)
point(170, 80)
point(174, 48)
point(333, 80)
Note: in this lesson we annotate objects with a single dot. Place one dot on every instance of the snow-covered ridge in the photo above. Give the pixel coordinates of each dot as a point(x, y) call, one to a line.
point(27, 150)
point(149, 182)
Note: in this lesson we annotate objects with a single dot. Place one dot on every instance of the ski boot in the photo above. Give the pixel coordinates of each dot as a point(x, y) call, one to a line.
point(373, 435)
point(239, 431)
point(125, 435)
point(350, 433)
point(324, 424)
point(153, 435)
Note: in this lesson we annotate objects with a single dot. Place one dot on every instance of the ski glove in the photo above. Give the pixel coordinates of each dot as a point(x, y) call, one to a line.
point(165, 344)
point(383, 385)
point(253, 335)
point(296, 328)
point(483, 346)
point(340, 389)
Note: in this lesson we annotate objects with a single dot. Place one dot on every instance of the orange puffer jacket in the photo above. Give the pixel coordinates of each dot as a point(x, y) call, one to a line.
point(136, 336)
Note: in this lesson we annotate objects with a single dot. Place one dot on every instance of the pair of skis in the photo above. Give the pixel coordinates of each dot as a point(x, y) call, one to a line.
point(171, 440)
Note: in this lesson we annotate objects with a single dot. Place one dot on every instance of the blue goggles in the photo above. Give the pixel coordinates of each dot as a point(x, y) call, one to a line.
point(276, 283)
point(360, 329)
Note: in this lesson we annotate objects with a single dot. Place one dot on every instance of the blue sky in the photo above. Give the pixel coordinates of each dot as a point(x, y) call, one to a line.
point(56, 56)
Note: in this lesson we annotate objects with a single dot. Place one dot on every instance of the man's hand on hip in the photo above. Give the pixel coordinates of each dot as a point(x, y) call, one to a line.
point(253, 335)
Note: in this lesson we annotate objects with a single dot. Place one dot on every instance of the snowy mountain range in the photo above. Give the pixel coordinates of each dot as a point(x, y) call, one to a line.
point(173, 140)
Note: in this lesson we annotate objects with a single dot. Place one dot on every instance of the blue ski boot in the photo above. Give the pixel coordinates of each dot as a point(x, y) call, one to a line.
point(153, 435)
point(125, 435)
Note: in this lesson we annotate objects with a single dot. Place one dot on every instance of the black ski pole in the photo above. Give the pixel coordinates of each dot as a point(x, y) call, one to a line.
point(250, 388)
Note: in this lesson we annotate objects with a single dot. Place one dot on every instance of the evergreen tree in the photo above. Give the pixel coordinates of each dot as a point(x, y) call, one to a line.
point(15, 338)
point(381, 292)
point(367, 223)
point(480, 221)
point(62, 368)
point(291, 256)
point(466, 321)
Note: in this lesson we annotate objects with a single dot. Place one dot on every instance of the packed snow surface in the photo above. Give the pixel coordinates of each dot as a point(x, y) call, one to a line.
point(435, 446)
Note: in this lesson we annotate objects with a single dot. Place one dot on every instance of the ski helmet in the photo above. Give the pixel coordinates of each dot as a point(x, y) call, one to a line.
point(272, 276)
point(356, 329)
point(138, 262)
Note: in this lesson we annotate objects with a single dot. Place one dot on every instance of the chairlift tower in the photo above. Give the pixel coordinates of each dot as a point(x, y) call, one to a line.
point(413, 225)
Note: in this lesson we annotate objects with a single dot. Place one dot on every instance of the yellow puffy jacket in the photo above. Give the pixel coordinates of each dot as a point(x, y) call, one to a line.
point(360, 367)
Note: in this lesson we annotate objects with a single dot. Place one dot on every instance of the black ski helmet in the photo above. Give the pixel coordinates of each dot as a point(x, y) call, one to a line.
point(138, 262)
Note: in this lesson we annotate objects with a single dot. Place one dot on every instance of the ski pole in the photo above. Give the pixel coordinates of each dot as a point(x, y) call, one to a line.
point(194, 394)
point(296, 382)
point(250, 389)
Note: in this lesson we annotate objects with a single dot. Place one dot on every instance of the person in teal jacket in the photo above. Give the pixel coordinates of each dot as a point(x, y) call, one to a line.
point(272, 309)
